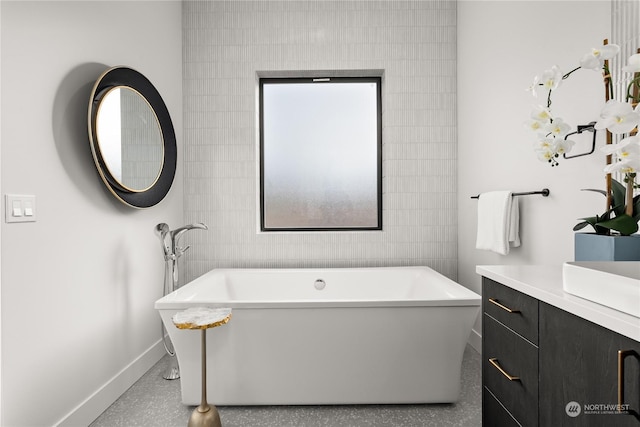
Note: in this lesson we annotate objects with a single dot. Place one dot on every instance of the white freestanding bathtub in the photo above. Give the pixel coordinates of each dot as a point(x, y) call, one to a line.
point(325, 336)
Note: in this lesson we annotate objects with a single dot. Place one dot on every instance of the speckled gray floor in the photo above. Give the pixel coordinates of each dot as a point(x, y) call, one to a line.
point(153, 401)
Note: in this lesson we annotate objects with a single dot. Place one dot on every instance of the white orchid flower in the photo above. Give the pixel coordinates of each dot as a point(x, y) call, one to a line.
point(594, 60)
point(618, 117)
point(544, 144)
point(534, 87)
point(558, 128)
point(541, 114)
point(551, 79)
point(563, 146)
point(633, 65)
point(629, 165)
point(545, 154)
point(620, 146)
point(534, 125)
point(628, 153)
point(547, 149)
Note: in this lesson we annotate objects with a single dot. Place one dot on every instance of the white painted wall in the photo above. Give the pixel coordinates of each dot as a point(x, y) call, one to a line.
point(501, 46)
point(78, 286)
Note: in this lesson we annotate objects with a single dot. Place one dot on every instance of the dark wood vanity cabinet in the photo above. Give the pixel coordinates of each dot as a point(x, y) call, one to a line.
point(540, 364)
point(579, 363)
point(509, 357)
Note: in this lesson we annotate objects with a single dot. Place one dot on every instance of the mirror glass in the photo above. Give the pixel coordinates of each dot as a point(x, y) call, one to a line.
point(129, 138)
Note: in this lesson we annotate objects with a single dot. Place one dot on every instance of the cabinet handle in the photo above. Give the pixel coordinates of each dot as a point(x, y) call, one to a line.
point(494, 362)
point(622, 354)
point(504, 307)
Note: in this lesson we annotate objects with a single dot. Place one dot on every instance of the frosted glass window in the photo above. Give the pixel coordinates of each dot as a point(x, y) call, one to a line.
point(320, 154)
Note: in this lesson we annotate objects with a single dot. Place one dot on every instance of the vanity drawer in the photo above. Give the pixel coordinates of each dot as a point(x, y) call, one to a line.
point(514, 309)
point(508, 354)
point(493, 413)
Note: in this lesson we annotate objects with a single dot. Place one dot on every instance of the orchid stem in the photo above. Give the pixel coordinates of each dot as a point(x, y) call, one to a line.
point(570, 72)
point(629, 195)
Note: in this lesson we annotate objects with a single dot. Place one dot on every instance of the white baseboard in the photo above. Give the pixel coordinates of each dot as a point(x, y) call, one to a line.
point(98, 402)
point(475, 339)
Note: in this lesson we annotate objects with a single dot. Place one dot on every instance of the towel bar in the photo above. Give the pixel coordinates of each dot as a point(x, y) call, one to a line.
point(545, 192)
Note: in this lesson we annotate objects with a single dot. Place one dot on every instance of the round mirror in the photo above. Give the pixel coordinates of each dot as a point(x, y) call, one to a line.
point(132, 137)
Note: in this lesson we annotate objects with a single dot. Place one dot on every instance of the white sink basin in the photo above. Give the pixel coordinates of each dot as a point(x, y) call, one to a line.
point(615, 284)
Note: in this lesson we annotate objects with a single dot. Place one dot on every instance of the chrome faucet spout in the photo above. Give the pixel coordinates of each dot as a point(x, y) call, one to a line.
point(177, 234)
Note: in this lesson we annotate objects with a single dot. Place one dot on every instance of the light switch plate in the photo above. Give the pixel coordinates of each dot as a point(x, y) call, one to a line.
point(19, 208)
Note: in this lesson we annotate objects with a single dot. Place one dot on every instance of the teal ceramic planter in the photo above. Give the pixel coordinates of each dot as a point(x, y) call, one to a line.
point(596, 247)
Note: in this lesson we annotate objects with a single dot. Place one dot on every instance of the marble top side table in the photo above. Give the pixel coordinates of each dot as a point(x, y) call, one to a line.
point(203, 318)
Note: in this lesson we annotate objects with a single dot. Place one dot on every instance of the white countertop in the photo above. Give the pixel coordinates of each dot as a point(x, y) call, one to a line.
point(545, 284)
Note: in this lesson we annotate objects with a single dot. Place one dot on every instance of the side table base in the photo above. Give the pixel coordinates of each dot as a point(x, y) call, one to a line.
point(205, 417)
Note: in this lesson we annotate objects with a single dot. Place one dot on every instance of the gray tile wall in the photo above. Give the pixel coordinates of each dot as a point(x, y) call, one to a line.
point(227, 42)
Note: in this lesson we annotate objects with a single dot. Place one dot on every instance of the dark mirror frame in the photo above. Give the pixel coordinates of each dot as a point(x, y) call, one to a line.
point(124, 76)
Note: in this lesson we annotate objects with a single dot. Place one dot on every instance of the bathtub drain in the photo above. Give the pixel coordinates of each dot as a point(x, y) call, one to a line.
point(319, 284)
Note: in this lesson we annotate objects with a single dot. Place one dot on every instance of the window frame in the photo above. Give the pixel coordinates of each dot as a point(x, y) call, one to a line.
point(377, 80)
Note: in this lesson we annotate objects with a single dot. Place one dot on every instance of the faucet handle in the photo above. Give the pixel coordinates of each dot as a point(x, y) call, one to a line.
point(181, 250)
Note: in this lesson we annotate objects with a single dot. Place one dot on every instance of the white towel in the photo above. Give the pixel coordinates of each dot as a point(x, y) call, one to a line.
point(498, 218)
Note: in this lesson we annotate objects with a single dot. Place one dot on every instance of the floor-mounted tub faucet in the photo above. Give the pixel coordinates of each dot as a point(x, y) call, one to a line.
point(178, 232)
point(170, 240)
